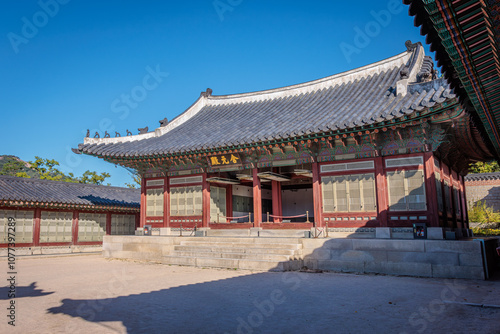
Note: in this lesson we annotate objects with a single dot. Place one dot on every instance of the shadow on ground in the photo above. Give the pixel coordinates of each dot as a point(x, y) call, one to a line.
point(241, 304)
point(22, 291)
point(288, 302)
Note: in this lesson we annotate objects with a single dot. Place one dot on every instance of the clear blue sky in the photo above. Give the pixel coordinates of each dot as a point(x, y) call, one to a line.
point(64, 68)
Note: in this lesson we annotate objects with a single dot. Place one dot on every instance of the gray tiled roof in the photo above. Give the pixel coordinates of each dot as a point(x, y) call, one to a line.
point(55, 192)
point(355, 98)
point(483, 177)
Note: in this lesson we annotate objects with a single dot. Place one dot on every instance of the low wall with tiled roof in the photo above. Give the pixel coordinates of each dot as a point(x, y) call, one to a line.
point(483, 187)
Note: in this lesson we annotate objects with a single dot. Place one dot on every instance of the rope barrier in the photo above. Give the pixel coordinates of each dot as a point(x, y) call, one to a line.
point(289, 217)
point(286, 217)
point(237, 217)
point(193, 230)
point(226, 218)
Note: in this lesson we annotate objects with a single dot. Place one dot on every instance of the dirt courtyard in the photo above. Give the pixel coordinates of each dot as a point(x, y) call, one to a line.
point(90, 294)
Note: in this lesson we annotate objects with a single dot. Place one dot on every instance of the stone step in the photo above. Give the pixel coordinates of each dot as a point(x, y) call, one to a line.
point(247, 240)
point(260, 250)
point(283, 233)
point(229, 233)
point(239, 245)
point(261, 233)
point(234, 255)
point(231, 263)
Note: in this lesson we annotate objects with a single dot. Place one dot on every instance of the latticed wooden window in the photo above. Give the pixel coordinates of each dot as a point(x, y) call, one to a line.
point(349, 193)
point(340, 185)
point(186, 201)
point(56, 226)
point(406, 190)
point(328, 194)
point(122, 224)
point(154, 202)
point(91, 227)
point(369, 195)
point(217, 204)
point(24, 225)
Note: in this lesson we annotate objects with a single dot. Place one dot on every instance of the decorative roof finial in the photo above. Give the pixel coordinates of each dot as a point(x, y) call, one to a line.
point(117, 134)
point(97, 135)
point(207, 93)
point(143, 130)
point(88, 133)
point(129, 133)
point(164, 122)
point(106, 134)
point(410, 46)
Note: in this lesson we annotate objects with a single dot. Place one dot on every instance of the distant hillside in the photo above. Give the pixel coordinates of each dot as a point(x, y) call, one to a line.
point(6, 160)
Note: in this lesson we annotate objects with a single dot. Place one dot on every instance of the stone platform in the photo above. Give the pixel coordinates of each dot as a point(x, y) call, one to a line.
point(421, 258)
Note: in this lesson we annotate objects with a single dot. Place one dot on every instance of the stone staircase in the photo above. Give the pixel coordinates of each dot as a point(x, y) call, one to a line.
point(253, 253)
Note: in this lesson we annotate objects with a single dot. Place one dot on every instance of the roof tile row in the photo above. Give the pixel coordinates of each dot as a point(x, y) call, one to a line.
point(58, 192)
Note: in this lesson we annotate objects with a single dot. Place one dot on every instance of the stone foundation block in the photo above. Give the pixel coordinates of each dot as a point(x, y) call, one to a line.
point(389, 245)
point(407, 269)
point(457, 272)
point(435, 233)
point(418, 257)
point(383, 233)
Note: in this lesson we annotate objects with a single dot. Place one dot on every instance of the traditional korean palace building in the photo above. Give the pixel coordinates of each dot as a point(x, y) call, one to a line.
point(384, 145)
point(54, 213)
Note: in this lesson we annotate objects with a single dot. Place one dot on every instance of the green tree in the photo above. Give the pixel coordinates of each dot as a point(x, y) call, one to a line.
point(93, 178)
point(136, 178)
point(14, 168)
point(47, 170)
point(484, 167)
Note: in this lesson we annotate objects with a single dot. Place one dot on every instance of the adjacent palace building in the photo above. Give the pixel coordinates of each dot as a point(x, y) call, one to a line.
point(385, 145)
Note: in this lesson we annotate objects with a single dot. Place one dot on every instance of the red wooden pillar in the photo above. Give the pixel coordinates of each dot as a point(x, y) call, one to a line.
point(318, 221)
point(229, 202)
point(430, 189)
point(108, 223)
point(277, 204)
point(205, 202)
point(382, 192)
point(166, 203)
point(37, 217)
point(74, 230)
point(143, 202)
point(257, 199)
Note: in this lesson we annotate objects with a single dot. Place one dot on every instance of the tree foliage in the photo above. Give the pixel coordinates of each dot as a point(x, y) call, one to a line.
point(484, 167)
point(47, 169)
point(13, 168)
point(136, 178)
point(93, 177)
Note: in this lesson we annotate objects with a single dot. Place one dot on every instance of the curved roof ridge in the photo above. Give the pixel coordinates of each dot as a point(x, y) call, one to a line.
point(318, 84)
